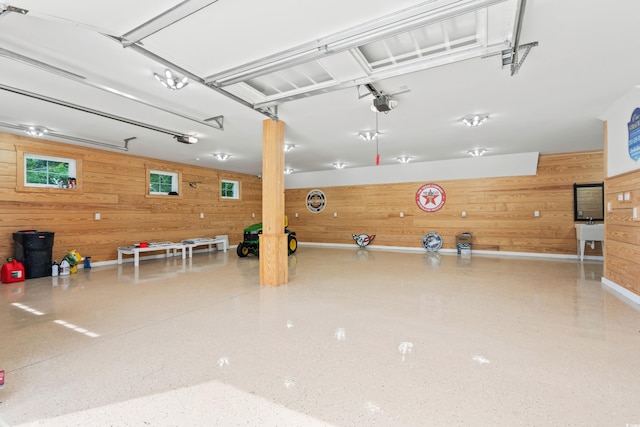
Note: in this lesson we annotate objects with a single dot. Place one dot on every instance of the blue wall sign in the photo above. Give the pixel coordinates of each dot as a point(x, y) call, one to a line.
point(634, 135)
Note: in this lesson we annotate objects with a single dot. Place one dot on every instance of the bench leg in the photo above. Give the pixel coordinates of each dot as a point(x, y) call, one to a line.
point(136, 259)
point(119, 257)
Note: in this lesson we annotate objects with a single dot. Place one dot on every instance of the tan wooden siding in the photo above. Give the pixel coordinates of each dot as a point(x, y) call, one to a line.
point(114, 185)
point(500, 211)
point(622, 233)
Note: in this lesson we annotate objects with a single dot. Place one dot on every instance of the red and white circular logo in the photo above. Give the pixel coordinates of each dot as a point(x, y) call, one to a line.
point(430, 197)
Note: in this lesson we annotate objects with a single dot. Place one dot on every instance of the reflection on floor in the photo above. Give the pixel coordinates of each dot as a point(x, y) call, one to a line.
point(357, 337)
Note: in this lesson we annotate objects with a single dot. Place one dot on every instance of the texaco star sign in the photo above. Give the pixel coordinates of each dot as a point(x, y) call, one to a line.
point(430, 197)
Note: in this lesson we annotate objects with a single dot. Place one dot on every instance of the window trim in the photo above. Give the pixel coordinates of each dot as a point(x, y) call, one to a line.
point(236, 186)
point(149, 169)
point(21, 177)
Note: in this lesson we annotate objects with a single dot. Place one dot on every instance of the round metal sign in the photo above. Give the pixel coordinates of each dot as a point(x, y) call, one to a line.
point(432, 242)
point(430, 197)
point(316, 201)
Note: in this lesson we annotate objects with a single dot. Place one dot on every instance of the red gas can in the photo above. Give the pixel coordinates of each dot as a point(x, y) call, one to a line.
point(12, 271)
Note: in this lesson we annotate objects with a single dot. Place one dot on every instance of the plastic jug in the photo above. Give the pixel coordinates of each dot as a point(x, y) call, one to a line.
point(65, 267)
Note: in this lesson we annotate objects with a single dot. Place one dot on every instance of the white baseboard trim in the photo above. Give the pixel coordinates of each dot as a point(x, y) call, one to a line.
point(625, 294)
point(451, 251)
point(381, 248)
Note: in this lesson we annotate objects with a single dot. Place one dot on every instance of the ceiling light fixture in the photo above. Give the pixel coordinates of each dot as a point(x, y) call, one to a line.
point(37, 131)
point(170, 81)
point(289, 147)
point(477, 152)
point(474, 121)
point(404, 159)
point(339, 165)
point(288, 171)
point(221, 156)
point(368, 135)
point(187, 139)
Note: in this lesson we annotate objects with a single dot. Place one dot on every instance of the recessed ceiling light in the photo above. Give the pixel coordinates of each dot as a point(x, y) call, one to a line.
point(288, 171)
point(339, 165)
point(368, 135)
point(289, 147)
point(477, 152)
point(36, 131)
point(404, 159)
point(170, 81)
point(221, 156)
point(474, 121)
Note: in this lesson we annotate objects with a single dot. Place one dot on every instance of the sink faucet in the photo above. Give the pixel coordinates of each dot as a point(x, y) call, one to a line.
point(589, 220)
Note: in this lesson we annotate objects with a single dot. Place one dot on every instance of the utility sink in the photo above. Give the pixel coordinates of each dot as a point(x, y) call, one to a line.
point(588, 232)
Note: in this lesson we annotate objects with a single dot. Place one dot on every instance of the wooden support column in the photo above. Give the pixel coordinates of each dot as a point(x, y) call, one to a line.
point(274, 270)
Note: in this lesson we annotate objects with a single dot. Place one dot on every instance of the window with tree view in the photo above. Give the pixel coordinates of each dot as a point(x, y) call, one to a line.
point(229, 189)
point(162, 182)
point(45, 171)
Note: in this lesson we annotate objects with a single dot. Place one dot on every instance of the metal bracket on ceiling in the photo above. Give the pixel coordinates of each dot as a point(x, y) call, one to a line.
point(510, 57)
point(219, 120)
point(271, 111)
point(126, 142)
point(517, 63)
point(4, 8)
point(373, 90)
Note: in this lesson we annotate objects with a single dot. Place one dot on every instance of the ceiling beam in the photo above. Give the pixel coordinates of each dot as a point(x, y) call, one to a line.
point(82, 79)
point(88, 110)
point(195, 78)
point(164, 20)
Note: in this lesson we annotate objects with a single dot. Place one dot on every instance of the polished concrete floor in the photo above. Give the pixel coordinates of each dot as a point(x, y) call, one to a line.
point(357, 338)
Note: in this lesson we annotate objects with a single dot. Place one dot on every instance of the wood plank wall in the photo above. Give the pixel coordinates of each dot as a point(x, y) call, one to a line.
point(500, 211)
point(114, 184)
point(622, 233)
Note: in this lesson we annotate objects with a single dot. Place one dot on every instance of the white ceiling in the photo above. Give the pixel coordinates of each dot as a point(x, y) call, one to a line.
point(584, 61)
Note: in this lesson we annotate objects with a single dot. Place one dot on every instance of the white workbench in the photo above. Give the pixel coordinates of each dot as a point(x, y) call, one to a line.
point(219, 241)
point(155, 246)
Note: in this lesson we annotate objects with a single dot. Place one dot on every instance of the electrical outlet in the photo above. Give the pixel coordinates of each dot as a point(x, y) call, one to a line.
point(536, 213)
point(620, 197)
point(97, 216)
point(609, 207)
point(627, 196)
point(464, 214)
point(635, 213)
point(201, 215)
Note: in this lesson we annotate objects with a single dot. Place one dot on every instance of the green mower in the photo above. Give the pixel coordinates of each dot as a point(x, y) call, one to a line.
point(251, 242)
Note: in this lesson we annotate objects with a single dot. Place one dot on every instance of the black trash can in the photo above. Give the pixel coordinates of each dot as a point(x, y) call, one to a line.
point(34, 250)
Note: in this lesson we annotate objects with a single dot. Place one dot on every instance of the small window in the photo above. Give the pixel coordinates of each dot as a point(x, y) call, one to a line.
point(49, 172)
point(229, 189)
point(163, 182)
